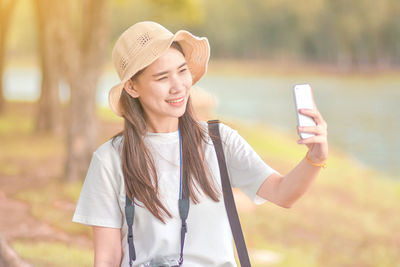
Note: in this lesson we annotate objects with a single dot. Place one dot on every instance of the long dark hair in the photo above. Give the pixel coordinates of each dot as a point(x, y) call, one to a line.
point(140, 176)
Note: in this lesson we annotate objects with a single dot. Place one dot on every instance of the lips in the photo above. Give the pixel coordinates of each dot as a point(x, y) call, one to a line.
point(176, 100)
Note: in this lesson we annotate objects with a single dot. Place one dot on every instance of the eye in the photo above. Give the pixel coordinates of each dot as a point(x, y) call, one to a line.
point(162, 78)
point(183, 70)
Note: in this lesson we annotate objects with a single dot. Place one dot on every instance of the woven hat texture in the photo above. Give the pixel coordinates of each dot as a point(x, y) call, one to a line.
point(143, 43)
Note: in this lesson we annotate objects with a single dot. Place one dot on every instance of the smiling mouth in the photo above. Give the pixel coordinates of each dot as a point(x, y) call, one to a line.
point(176, 100)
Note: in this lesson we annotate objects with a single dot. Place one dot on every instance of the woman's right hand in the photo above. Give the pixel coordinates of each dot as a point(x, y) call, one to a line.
point(107, 246)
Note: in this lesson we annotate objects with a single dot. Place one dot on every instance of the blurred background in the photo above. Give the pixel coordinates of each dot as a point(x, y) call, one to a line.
point(56, 71)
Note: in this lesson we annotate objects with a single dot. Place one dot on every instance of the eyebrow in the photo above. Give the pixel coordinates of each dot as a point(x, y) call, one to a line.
point(165, 72)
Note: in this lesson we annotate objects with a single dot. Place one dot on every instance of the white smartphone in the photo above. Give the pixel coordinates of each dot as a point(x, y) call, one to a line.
point(303, 98)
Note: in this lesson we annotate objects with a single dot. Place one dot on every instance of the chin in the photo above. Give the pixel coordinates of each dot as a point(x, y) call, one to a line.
point(177, 113)
point(180, 114)
point(182, 110)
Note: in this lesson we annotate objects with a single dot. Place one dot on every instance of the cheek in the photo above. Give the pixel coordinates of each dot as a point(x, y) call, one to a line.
point(151, 97)
point(188, 80)
point(155, 91)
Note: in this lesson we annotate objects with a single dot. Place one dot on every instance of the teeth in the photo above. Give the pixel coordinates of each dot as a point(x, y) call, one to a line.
point(175, 101)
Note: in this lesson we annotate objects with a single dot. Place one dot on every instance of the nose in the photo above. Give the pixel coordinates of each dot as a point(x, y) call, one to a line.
point(177, 84)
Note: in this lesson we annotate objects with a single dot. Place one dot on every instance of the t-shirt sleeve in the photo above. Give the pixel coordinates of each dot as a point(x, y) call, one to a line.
point(247, 170)
point(98, 203)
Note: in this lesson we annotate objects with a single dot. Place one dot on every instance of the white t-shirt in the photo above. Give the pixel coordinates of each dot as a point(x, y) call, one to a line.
point(209, 240)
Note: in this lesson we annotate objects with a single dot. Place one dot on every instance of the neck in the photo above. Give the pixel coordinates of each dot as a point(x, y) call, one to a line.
point(166, 126)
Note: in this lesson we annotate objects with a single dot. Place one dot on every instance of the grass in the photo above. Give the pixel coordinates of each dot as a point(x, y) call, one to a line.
point(348, 217)
point(49, 254)
point(56, 206)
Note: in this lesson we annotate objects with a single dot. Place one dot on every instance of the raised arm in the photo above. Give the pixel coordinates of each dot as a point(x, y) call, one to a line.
point(107, 246)
point(286, 190)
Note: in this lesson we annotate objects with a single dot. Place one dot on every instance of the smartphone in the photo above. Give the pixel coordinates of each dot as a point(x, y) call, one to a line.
point(303, 98)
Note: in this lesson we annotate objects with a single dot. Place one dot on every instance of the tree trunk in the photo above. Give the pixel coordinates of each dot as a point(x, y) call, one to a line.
point(2, 100)
point(6, 9)
point(84, 67)
point(49, 117)
point(82, 130)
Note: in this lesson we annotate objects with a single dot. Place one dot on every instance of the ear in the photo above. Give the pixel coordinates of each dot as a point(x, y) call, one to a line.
point(129, 87)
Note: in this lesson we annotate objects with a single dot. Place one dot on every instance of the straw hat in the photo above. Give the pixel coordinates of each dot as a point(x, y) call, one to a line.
point(143, 43)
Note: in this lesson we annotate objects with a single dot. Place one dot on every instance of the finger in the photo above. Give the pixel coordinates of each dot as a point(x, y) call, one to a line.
point(308, 112)
point(318, 139)
point(314, 114)
point(318, 130)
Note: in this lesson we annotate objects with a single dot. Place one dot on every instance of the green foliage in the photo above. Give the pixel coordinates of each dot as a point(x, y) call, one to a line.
point(45, 253)
point(345, 33)
point(171, 13)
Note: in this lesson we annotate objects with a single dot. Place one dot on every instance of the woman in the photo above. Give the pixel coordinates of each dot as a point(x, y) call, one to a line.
point(160, 136)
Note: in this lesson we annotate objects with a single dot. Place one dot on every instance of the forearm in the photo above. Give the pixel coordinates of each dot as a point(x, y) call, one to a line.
point(294, 184)
point(286, 190)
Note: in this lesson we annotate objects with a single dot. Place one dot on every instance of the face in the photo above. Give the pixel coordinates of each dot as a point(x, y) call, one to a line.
point(163, 89)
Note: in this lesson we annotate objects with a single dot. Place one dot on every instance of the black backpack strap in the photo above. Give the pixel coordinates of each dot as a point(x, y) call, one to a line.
point(213, 129)
point(184, 205)
point(130, 215)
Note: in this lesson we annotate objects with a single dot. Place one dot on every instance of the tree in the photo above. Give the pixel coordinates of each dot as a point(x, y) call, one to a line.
point(83, 49)
point(6, 10)
point(49, 117)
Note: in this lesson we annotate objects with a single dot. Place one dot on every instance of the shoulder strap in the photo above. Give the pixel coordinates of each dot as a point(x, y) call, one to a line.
point(213, 128)
point(130, 215)
point(183, 205)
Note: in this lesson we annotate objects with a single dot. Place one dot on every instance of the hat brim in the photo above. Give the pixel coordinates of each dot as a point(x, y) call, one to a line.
point(197, 55)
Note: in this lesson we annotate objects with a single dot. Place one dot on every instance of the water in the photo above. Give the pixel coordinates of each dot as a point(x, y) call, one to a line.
point(362, 113)
point(363, 116)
